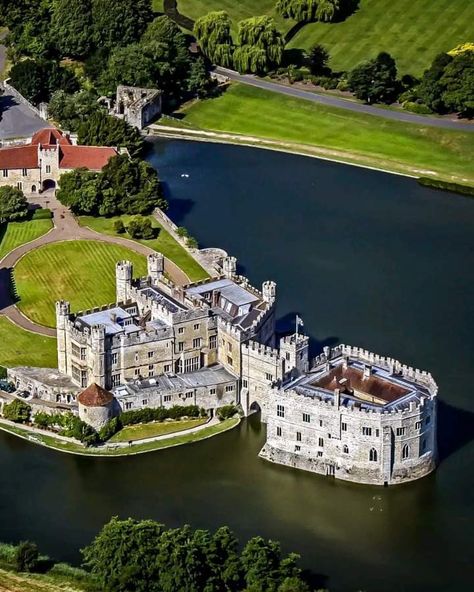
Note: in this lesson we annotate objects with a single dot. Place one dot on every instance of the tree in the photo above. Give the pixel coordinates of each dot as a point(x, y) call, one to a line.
point(71, 22)
point(376, 80)
point(261, 45)
point(457, 82)
point(119, 226)
point(27, 557)
point(317, 59)
point(70, 110)
point(294, 584)
point(298, 10)
point(140, 227)
point(213, 34)
point(128, 65)
point(79, 190)
point(13, 204)
point(430, 90)
point(199, 83)
point(17, 411)
point(123, 556)
point(119, 23)
point(102, 129)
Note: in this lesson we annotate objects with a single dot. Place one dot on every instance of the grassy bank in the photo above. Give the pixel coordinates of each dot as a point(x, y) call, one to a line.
point(82, 272)
point(365, 139)
point(14, 234)
point(164, 243)
point(61, 446)
point(153, 429)
point(22, 348)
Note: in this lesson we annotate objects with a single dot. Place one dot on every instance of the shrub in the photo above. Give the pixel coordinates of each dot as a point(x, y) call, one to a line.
point(182, 232)
point(226, 412)
point(27, 557)
point(110, 428)
point(7, 553)
point(42, 214)
point(417, 108)
point(17, 411)
point(192, 242)
point(140, 227)
point(159, 414)
point(42, 419)
point(119, 226)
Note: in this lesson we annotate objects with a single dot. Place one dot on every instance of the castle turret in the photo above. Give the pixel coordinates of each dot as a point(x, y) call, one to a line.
point(269, 291)
point(156, 266)
point(294, 350)
point(63, 310)
point(229, 267)
point(97, 368)
point(123, 280)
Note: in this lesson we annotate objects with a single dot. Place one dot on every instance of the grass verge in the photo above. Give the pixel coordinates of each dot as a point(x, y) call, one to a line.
point(14, 234)
point(22, 348)
point(164, 243)
point(61, 446)
point(82, 272)
point(50, 582)
point(153, 429)
point(300, 125)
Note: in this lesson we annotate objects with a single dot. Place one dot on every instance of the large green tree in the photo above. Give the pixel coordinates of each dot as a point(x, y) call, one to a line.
point(71, 22)
point(457, 82)
point(128, 65)
point(260, 45)
point(79, 190)
point(17, 411)
point(119, 22)
point(13, 204)
point(375, 81)
point(430, 90)
point(213, 34)
point(101, 129)
point(315, 10)
point(70, 110)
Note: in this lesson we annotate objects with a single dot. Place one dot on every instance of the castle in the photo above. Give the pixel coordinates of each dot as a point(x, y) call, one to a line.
point(37, 166)
point(348, 414)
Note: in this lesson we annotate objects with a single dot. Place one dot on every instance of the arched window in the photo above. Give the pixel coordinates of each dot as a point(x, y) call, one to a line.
point(33, 189)
point(405, 452)
point(345, 449)
point(373, 455)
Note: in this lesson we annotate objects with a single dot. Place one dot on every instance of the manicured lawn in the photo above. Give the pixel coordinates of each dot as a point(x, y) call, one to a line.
point(14, 234)
point(413, 32)
point(164, 243)
point(62, 446)
point(82, 272)
point(150, 430)
point(364, 138)
point(22, 348)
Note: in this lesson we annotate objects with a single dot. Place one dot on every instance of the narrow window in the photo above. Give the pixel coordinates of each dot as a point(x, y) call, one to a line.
point(298, 436)
point(345, 449)
point(213, 341)
point(418, 425)
point(400, 431)
point(405, 452)
point(212, 391)
point(150, 354)
point(167, 398)
point(180, 346)
point(373, 455)
point(280, 411)
point(321, 442)
point(196, 327)
point(306, 417)
point(268, 376)
point(278, 431)
point(5, 172)
point(344, 427)
point(24, 172)
point(48, 168)
point(197, 342)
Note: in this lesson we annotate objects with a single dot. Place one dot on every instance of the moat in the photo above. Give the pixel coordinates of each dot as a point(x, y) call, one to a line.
point(366, 258)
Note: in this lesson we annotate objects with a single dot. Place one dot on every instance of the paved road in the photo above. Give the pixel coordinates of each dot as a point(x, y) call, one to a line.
point(65, 228)
point(332, 101)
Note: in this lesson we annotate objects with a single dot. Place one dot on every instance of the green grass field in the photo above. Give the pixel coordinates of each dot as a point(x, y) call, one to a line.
point(82, 272)
point(164, 243)
point(362, 138)
point(153, 429)
point(15, 234)
point(22, 348)
point(414, 32)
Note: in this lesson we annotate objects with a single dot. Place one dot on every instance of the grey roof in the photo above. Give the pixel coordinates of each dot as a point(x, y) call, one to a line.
point(158, 296)
point(46, 376)
point(228, 289)
point(113, 319)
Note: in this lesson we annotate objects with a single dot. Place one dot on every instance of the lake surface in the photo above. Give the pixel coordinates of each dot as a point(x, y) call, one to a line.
point(365, 258)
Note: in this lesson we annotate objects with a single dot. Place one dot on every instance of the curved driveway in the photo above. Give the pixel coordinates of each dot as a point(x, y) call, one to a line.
point(67, 228)
point(331, 101)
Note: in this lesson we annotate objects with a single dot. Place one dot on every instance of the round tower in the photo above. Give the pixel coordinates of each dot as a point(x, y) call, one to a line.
point(156, 266)
point(123, 280)
point(96, 406)
point(63, 311)
point(269, 291)
point(229, 267)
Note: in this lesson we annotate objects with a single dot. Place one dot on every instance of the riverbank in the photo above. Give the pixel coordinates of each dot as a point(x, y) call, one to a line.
point(254, 117)
point(68, 445)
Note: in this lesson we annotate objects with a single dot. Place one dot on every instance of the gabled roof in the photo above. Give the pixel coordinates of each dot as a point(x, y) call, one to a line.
point(90, 157)
point(19, 157)
point(49, 136)
point(95, 396)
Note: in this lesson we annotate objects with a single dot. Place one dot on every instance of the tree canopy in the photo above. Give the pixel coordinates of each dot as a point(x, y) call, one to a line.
point(13, 204)
point(71, 22)
point(70, 110)
point(144, 556)
point(213, 34)
point(119, 23)
point(315, 10)
point(101, 129)
point(260, 45)
point(376, 80)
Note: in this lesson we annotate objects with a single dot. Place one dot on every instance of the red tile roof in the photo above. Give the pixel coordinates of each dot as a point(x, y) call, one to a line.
point(19, 157)
point(50, 137)
point(95, 396)
point(89, 157)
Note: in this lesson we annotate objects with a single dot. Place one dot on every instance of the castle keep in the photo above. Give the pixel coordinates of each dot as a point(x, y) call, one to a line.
point(348, 414)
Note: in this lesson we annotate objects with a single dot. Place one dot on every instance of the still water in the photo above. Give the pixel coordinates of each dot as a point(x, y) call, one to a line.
point(365, 258)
